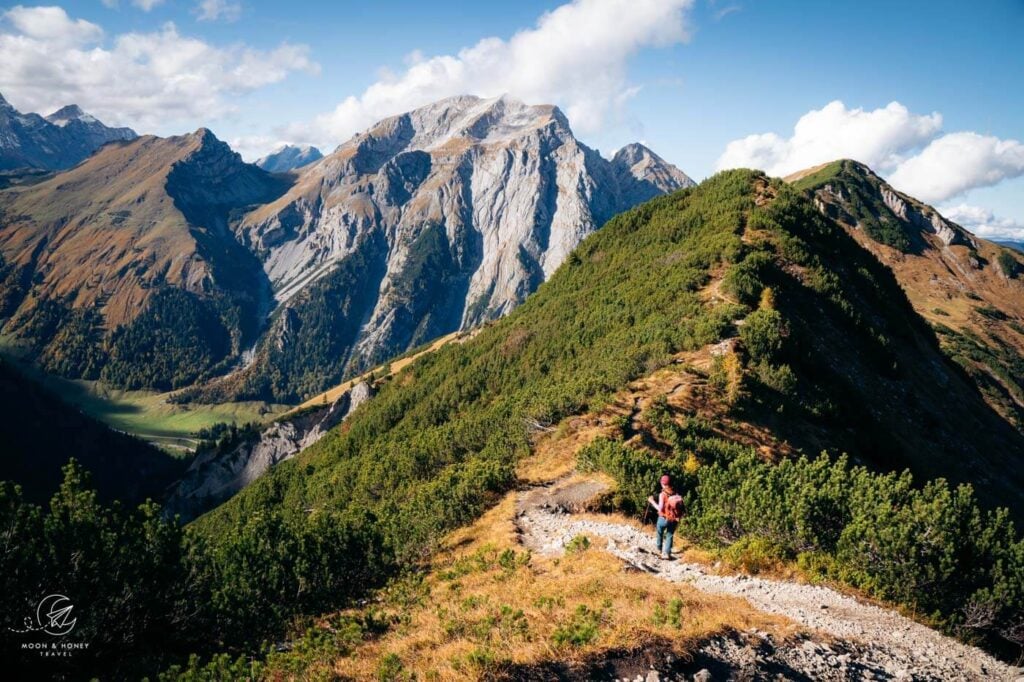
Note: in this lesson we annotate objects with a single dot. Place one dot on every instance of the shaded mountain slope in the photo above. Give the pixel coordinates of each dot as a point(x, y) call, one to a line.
point(40, 433)
point(966, 287)
point(124, 267)
point(429, 222)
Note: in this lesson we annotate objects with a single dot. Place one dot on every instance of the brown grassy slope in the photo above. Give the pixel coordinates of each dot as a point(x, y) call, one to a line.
point(117, 226)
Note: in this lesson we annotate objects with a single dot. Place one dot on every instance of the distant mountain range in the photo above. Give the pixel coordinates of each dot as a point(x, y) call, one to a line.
point(1019, 246)
point(61, 140)
point(289, 157)
point(158, 262)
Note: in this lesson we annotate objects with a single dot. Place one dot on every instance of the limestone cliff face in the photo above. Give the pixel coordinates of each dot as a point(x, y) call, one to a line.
point(464, 207)
point(215, 476)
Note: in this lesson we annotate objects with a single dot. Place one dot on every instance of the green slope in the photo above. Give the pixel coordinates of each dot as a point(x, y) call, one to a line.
point(837, 361)
point(871, 379)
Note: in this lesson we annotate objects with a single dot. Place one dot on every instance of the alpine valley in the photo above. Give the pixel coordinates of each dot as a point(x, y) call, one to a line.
point(465, 345)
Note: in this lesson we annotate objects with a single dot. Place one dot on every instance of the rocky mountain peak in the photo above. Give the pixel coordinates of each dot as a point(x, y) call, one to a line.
point(646, 166)
point(460, 121)
point(58, 141)
point(438, 218)
point(71, 112)
point(289, 157)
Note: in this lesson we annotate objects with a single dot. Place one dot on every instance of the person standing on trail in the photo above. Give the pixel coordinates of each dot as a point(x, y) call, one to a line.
point(670, 506)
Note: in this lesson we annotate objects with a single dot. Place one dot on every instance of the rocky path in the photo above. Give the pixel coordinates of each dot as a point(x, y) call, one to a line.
point(870, 643)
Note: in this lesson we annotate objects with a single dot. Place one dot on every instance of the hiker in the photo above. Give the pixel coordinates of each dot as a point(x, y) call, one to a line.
point(670, 507)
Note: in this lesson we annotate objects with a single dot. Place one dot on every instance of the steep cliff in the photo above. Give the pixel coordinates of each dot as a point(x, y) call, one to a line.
point(428, 222)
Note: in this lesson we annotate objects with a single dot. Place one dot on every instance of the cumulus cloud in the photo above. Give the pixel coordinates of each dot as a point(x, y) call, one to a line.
point(879, 138)
point(146, 5)
point(218, 10)
point(51, 24)
point(142, 79)
point(957, 162)
point(982, 222)
point(909, 149)
point(575, 56)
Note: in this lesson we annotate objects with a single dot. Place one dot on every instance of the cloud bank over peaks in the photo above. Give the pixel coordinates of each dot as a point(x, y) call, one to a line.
point(575, 56)
point(145, 80)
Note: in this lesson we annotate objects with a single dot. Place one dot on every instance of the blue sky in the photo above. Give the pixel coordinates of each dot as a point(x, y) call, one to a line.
point(728, 70)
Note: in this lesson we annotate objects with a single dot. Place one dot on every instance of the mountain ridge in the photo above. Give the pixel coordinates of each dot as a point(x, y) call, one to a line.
point(968, 288)
point(140, 226)
point(58, 141)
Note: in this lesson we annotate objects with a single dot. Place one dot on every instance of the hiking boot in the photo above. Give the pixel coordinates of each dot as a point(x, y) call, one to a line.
point(666, 557)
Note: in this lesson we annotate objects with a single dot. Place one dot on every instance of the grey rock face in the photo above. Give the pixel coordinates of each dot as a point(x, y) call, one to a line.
point(289, 157)
point(214, 476)
point(58, 141)
point(476, 201)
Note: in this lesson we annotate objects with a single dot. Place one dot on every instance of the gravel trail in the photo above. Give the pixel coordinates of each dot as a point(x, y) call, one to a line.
point(875, 643)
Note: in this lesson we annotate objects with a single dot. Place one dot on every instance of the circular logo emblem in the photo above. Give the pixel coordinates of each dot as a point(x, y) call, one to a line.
point(54, 615)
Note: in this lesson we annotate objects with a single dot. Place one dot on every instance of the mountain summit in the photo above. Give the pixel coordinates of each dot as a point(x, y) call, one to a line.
point(430, 221)
point(61, 140)
point(968, 288)
point(289, 157)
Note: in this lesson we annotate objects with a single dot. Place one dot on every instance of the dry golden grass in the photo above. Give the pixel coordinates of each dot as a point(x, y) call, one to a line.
point(488, 604)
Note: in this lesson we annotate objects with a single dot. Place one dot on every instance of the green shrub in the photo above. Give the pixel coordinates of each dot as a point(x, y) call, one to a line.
point(582, 629)
point(579, 543)
point(391, 669)
point(1008, 263)
point(763, 334)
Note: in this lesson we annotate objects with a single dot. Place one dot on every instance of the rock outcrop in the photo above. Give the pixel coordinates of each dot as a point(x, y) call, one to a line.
point(289, 157)
point(214, 476)
point(61, 140)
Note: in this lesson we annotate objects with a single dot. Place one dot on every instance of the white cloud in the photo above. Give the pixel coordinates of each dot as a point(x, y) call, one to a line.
point(982, 222)
point(146, 5)
point(574, 57)
point(52, 25)
point(909, 149)
point(146, 80)
point(879, 138)
point(218, 10)
point(957, 162)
